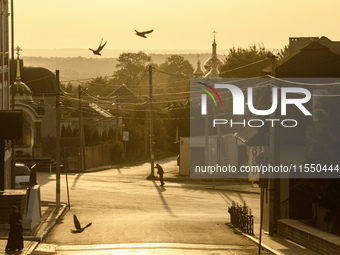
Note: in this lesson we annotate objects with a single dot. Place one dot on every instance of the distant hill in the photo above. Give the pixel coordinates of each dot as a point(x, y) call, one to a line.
point(81, 67)
point(74, 68)
point(107, 53)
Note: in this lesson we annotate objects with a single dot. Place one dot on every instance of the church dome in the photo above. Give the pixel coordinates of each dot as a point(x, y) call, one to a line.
point(21, 91)
point(213, 63)
point(213, 59)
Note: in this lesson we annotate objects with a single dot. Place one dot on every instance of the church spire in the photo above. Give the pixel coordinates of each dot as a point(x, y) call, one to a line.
point(18, 78)
point(198, 72)
point(213, 62)
point(20, 90)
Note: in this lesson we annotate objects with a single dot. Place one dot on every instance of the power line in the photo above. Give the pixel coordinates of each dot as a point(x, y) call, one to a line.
point(237, 68)
point(303, 83)
point(174, 75)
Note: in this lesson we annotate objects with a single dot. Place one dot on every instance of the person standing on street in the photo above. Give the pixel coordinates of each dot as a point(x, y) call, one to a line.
point(160, 172)
point(15, 239)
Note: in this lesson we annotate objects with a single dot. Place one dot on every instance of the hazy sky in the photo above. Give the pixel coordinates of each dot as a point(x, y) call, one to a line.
point(177, 24)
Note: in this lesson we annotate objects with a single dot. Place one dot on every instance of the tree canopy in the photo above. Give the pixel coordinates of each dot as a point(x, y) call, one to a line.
point(241, 62)
point(131, 68)
point(178, 66)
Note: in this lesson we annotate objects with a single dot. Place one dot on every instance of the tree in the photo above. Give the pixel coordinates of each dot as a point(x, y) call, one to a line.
point(99, 86)
point(131, 68)
point(67, 88)
point(68, 131)
point(177, 72)
point(283, 53)
point(104, 137)
point(63, 131)
point(242, 62)
point(177, 66)
point(170, 106)
point(135, 125)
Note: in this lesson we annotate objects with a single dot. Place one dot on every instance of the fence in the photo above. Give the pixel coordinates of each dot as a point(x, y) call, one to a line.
point(241, 218)
point(96, 156)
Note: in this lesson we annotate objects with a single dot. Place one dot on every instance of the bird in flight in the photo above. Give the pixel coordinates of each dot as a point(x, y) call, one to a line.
point(100, 47)
point(79, 229)
point(142, 34)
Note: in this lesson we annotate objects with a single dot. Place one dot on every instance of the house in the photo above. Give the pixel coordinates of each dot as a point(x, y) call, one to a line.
point(96, 123)
point(35, 94)
point(99, 123)
point(314, 60)
point(35, 91)
point(10, 127)
point(313, 68)
point(297, 43)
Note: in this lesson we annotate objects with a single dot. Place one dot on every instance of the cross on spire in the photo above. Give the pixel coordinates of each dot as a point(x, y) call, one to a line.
point(214, 34)
point(18, 49)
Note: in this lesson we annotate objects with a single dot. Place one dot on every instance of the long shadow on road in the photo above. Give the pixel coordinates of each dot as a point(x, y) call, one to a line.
point(225, 197)
point(160, 191)
point(76, 180)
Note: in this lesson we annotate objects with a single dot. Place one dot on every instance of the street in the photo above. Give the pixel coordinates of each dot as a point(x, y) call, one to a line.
point(129, 212)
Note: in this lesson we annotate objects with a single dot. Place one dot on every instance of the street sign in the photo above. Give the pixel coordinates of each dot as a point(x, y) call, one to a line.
point(125, 136)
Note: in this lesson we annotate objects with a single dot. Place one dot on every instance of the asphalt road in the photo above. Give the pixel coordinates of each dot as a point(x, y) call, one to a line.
point(129, 213)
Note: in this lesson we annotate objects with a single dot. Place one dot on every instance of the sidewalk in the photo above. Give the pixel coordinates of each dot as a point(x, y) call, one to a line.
point(49, 217)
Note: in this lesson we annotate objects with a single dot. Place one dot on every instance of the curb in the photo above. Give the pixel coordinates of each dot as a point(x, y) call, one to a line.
point(48, 229)
point(51, 226)
point(263, 246)
point(256, 241)
point(238, 191)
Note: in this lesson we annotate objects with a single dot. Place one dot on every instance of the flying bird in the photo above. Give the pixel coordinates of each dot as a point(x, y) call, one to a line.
point(100, 47)
point(79, 229)
point(142, 34)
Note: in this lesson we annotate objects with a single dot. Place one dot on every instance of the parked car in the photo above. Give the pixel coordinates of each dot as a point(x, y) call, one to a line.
point(22, 176)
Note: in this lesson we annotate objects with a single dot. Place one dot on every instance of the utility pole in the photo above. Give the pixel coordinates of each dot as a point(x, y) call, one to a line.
point(206, 130)
point(151, 124)
point(117, 119)
point(81, 132)
point(12, 51)
point(11, 80)
point(146, 135)
point(57, 111)
point(272, 182)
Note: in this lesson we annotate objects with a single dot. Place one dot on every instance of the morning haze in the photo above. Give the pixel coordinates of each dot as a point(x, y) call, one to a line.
point(142, 149)
point(73, 65)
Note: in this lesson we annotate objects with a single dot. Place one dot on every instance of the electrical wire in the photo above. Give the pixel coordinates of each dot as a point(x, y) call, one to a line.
point(303, 83)
point(240, 67)
point(174, 75)
point(161, 103)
